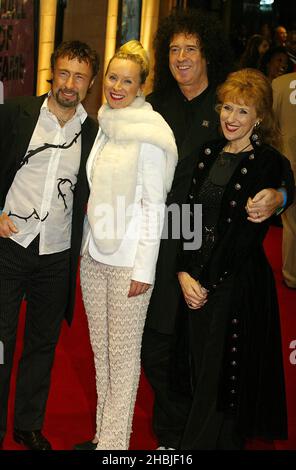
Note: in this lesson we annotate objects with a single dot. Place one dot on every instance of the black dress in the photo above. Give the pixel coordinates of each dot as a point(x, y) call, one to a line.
point(207, 326)
point(236, 383)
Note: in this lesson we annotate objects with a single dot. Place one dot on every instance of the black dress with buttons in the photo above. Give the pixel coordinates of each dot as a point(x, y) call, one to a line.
point(207, 326)
point(235, 341)
point(209, 195)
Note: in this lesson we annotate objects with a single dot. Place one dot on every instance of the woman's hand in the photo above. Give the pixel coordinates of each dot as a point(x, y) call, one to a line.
point(195, 295)
point(138, 288)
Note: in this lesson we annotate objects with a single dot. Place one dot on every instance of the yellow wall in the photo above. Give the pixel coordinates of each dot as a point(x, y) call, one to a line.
point(85, 20)
point(149, 24)
point(111, 30)
point(47, 22)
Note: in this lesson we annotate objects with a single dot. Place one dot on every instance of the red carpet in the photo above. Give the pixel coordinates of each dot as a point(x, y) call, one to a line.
point(71, 407)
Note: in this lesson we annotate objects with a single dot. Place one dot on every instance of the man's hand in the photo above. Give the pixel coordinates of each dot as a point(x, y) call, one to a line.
point(137, 288)
point(264, 204)
point(195, 295)
point(7, 227)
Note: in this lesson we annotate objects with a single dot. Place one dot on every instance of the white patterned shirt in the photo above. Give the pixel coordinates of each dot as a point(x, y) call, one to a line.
point(40, 199)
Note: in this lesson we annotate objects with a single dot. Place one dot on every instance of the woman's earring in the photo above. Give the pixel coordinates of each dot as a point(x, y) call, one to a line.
point(255, 136)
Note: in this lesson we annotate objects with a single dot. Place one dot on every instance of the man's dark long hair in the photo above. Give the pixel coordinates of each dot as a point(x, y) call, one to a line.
point(214, 46)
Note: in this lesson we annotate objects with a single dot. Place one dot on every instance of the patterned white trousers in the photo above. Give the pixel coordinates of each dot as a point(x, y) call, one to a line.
point(116, 325)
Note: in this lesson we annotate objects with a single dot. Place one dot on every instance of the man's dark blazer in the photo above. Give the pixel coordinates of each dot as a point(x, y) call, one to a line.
point(18, 118)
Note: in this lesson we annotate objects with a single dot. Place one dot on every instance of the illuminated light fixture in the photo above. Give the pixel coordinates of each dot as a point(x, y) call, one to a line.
point(266, 2)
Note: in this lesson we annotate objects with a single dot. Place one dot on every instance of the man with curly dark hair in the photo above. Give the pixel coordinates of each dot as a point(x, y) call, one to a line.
point(192, 58)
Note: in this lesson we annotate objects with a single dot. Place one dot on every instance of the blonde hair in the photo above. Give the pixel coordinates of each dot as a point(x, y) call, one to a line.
point(252, 87)
point(134, 51)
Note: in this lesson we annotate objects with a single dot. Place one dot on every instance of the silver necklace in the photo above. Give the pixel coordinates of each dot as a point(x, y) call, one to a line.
point(61, 120)
point(248, 145)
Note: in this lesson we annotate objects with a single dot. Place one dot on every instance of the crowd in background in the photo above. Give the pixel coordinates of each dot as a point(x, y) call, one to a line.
point(271, 51)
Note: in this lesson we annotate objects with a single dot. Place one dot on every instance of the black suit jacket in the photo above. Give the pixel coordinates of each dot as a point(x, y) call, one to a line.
point(18, 118)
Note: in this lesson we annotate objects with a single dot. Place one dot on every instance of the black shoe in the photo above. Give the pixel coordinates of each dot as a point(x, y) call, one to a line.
point(34, 440)
point(161, 447)
point(87, 445)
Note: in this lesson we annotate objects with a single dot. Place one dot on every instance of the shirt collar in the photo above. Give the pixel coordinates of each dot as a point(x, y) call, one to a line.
point(80, 113)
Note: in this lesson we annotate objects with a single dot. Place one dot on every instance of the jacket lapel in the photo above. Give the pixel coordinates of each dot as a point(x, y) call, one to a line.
point(88, 135)
point(29, 115)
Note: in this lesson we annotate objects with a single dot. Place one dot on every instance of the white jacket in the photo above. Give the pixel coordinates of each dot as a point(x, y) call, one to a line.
point(145, 185)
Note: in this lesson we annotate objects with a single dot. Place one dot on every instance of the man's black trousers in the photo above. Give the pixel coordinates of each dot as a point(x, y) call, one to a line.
point(44, 281)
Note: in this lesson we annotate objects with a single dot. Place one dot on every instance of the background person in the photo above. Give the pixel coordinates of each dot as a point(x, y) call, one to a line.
point(275, 62)
point(284, 95)
point(291, 48)
point(256, 47)
point(280, 36)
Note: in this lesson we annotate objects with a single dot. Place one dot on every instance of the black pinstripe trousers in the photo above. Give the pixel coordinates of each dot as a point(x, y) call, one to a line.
point(44, 279)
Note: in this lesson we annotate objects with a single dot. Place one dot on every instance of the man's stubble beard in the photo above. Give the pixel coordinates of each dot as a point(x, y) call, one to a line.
point(65, 103)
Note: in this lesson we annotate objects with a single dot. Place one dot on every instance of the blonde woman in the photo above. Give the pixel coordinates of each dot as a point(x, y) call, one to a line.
point(130, 170)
